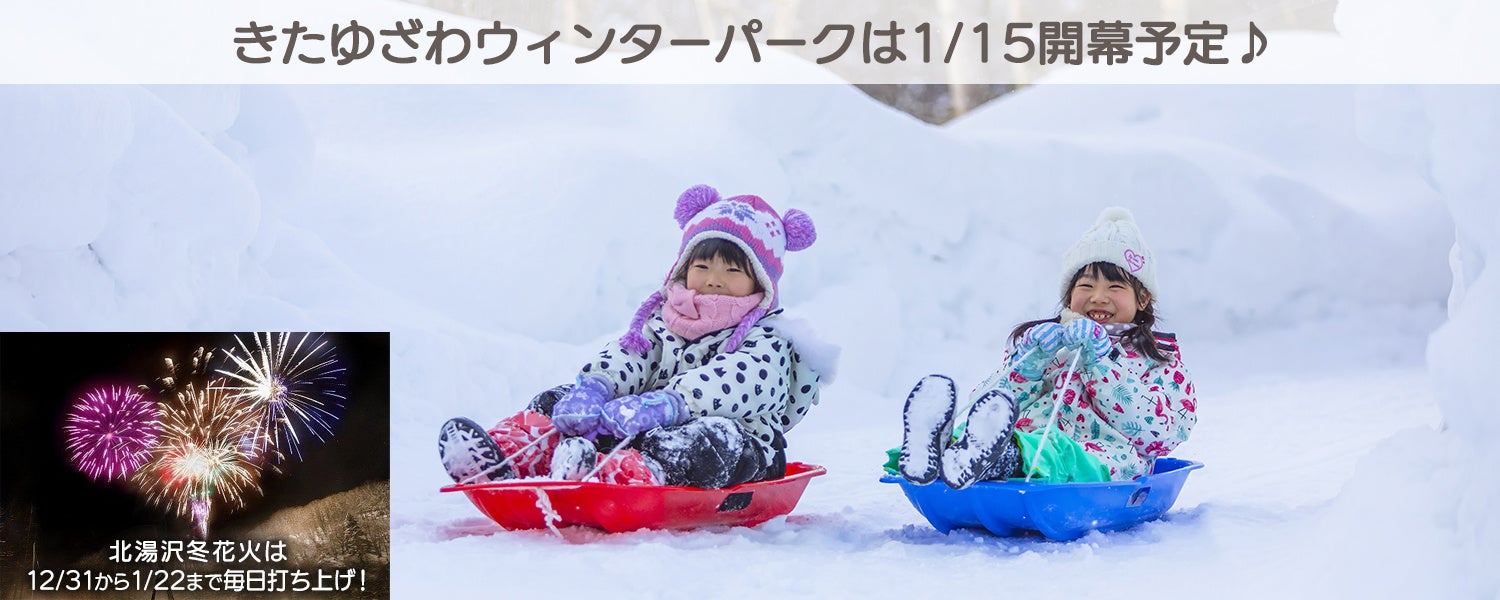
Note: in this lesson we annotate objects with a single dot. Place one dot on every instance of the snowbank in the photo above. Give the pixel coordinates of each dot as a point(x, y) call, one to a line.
point(1440, 523)
point(1425, 504)
point(121, 213)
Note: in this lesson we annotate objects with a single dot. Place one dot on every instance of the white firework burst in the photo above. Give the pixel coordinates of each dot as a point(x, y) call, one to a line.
point(294, 383)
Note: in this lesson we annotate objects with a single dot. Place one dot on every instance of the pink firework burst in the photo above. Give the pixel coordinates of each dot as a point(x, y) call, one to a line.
point(111, 431)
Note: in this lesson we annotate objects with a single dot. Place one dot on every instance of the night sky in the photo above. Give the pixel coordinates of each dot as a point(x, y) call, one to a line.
point(42, 373)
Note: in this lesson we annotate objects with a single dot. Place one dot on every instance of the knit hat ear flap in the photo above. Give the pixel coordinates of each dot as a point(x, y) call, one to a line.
point(743, 329)
point(800, 232)
point(693, 201)
point(633, 341)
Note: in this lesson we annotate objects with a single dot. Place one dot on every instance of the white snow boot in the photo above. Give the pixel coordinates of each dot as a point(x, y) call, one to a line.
point(928, 424)
point(985, 449)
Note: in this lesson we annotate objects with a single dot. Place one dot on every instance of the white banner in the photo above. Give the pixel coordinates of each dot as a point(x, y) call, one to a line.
point(782, 41)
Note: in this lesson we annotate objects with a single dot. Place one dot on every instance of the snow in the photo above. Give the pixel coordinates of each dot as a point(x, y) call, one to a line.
point(926, 414)
point(987, 433)
point(504, 234)
point(1463, 147)
point(573, 460)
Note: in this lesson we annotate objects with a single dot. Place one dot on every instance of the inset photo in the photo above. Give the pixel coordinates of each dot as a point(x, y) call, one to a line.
point(198, 465)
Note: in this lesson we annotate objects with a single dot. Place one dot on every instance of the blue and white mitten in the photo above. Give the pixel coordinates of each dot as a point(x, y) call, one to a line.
point(1036, 348)
point(1089, 336)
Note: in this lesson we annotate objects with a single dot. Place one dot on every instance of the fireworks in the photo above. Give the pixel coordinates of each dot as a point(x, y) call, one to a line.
point(110, 432)
point(293, 383)
point(180, 374)
point(201, 456)
point(205, 446)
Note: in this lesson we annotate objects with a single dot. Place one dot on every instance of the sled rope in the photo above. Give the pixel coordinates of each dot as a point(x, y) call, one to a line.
point(549, 514)
point(1052, 418)
point(1023, 358)
point(508, 459)
point(618, 447)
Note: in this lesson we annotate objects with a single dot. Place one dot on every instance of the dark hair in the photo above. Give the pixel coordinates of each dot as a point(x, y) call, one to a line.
point(721, 249)
point(1141, 337)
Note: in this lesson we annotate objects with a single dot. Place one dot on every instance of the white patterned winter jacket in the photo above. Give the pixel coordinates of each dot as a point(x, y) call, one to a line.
point(764, 385)
point(1133, 409)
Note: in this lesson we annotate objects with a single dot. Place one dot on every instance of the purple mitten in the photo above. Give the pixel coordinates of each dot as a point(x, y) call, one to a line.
point(628, 415)
point(577, 413)
point(1088, 335)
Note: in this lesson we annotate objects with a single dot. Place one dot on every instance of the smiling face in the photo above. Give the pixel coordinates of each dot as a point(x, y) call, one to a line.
point(719, 267)
point(715, 276)
point(1106, 295)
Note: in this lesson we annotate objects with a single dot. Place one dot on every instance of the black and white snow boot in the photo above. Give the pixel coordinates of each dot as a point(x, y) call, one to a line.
point(928, 423)
point(543, 402)
point(469, 454)
point(574, 458)
point(985, 443)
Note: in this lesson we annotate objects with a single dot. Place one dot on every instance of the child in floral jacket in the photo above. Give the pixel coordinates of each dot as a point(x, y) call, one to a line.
point(1107, 415)
point(700, 389)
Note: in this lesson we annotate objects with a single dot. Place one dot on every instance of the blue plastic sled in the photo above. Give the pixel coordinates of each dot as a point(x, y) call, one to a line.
point(1060, 511)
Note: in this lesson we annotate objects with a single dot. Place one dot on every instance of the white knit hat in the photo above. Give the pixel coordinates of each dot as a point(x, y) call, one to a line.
point(1114, 239)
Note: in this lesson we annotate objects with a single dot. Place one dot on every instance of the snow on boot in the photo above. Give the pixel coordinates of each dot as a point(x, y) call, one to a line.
point(573, 458)
point(529, 438)
point(983, 443)
point(928, 421)
point(710, 452)
point(468, 453)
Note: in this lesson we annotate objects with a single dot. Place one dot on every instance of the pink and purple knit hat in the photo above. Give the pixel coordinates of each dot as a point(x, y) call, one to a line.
point(749, 223)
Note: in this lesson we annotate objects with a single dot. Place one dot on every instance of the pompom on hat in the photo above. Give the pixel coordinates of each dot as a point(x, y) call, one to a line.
point(1115, 239)
point(750, 223)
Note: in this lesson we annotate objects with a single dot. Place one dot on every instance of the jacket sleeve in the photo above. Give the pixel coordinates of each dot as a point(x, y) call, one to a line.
point(1009, 379)
point(747, 383)
point(1153, 406)
point(630, 373)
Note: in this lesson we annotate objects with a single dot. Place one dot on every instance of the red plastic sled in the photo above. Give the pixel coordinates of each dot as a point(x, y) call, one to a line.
point(616, 508)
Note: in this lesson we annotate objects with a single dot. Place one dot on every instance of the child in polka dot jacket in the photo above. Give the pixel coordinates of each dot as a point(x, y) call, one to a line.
point(702, 386)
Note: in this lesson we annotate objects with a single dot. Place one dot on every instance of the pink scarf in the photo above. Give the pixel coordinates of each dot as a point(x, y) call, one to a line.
point(693, 315)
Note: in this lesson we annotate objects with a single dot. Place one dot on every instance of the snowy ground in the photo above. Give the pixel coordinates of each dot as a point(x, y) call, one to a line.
point(1268, 476)
point(502, 238)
